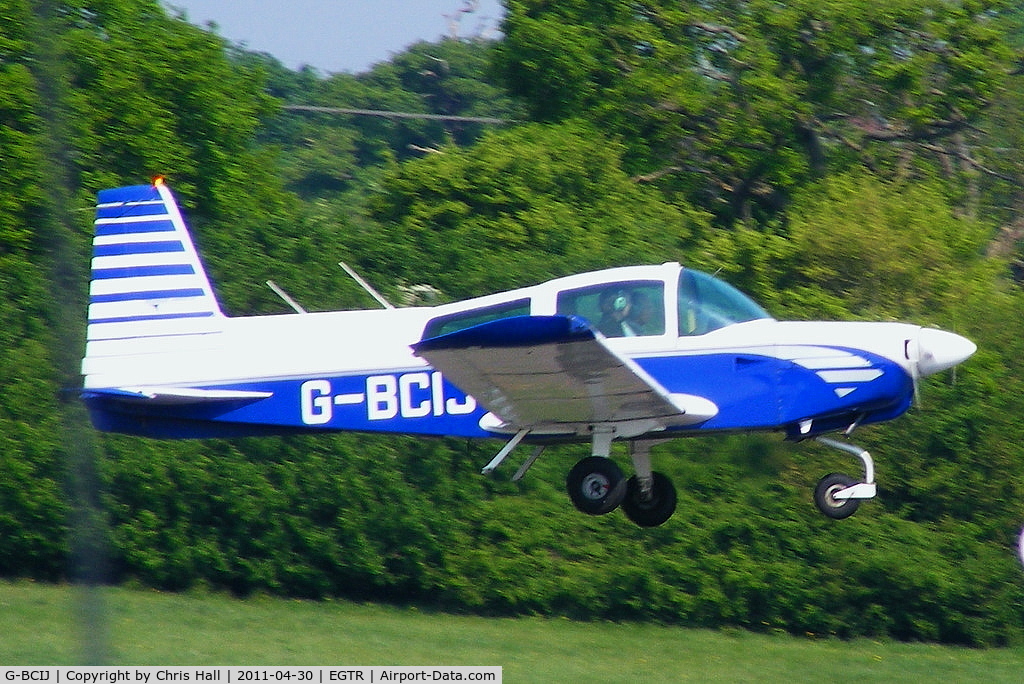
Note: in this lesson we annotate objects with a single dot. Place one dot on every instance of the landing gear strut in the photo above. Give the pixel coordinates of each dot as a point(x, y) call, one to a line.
point(650, 496)
point(597, 486)
point(838, 496)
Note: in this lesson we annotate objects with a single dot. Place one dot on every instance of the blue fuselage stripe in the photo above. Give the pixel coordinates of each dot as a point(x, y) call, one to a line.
point(752, 392)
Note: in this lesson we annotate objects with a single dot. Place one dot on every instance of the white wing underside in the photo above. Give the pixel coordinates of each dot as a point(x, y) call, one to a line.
point(565, 387)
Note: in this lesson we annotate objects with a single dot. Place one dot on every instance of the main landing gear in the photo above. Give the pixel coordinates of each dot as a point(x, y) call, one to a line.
point(837, 495)
point(597, 486)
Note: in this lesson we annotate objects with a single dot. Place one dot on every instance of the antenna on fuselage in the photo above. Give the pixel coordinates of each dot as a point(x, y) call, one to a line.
point(287, 299)
point(366, 286)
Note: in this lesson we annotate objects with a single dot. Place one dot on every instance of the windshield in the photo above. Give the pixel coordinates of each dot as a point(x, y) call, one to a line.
point(706, 304)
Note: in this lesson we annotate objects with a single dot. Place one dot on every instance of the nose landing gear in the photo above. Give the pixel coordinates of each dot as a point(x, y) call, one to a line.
point(838, 496)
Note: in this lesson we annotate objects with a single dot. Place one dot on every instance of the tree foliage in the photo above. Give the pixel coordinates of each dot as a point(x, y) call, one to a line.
point(846, 159)
point(855, 245)
point(552, 200)
point(324, 152)
point(737, 103)
point(32, 538)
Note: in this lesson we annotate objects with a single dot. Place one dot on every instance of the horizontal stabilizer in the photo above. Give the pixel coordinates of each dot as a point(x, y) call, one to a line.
point(175, 395)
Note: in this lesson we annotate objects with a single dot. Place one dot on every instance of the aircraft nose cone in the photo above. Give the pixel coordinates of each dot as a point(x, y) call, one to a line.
point(940, 350)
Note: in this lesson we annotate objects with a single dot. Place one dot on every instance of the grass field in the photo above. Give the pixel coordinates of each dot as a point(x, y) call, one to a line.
point(44, 625)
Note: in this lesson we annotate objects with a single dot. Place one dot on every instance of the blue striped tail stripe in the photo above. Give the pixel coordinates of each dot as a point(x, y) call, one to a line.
point(121, 210)
point(145, 295)
point(124, 248)
point(135, 194)
point(141, 271)
point(152, 317)
point(133, 227)
point(147, 279)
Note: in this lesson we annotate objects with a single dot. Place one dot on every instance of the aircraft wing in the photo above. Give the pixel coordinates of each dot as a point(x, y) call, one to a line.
point(556, 374)
point(174, 395)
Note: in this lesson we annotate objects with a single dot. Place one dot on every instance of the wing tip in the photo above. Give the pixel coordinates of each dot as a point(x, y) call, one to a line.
point(696, 409)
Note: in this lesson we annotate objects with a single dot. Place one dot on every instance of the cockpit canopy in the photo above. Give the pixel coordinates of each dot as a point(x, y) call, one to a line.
point(641, 301)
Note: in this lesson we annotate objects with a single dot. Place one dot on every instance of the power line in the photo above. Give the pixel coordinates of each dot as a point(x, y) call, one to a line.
point(398, 115)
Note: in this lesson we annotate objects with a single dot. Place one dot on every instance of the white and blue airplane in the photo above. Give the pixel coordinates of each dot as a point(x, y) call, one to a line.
point(636, 354)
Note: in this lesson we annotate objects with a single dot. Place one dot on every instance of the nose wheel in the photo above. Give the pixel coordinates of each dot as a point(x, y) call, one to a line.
point(827, 500)
point(838, 496)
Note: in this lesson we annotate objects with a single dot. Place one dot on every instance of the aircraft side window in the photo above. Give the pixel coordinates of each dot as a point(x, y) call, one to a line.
point(442, 325)
point(626, 309)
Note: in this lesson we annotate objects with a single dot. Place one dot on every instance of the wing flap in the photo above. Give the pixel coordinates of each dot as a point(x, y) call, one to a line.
point(555, 373)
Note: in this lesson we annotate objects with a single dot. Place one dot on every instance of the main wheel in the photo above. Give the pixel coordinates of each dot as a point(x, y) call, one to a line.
point(596, 485)
point(825, 496)
point(657, 508)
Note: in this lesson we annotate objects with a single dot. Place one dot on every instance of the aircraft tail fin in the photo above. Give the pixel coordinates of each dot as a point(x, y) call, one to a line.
point(147, 279)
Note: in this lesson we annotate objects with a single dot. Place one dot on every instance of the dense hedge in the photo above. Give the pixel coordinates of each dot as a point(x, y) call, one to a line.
point(395, 519)
point(411, 521)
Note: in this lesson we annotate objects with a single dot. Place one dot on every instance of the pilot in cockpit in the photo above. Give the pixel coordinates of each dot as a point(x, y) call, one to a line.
point(616, 307)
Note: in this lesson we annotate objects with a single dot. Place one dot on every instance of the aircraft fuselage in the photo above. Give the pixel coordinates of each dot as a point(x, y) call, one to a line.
point(636, 353)
point(355, 370)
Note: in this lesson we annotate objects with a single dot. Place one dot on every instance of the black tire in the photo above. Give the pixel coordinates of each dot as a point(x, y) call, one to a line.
point(824, 496)
point(596, 485)
point(657, 509)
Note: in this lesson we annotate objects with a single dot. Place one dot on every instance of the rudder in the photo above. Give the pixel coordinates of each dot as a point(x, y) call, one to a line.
point(147, 279)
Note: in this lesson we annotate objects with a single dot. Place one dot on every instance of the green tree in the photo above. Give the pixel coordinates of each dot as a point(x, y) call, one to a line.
point(856, 245)
point(737, 104)
point(33, 539)
point(149, 95)
point(877, 248)
point(519, 207)
point(325, 151)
